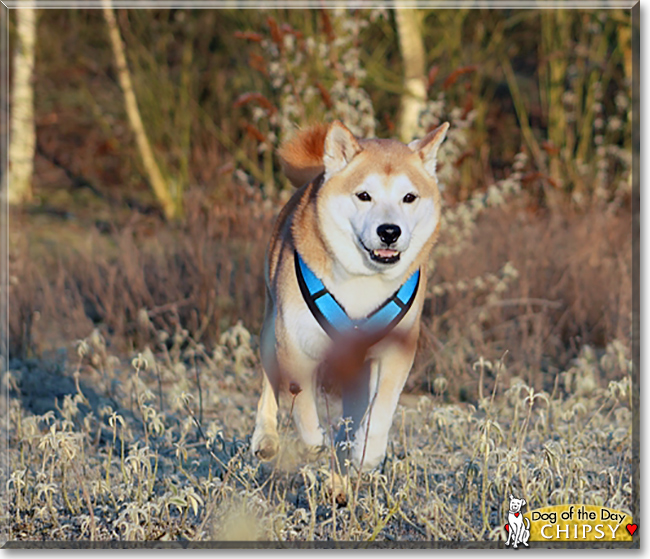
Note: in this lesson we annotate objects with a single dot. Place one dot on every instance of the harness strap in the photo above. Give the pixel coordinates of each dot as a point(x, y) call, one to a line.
point(333, 318)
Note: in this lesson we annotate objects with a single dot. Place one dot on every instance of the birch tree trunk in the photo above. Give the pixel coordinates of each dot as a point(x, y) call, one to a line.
point(411, 46)
point(155, 177)
point(23, 134)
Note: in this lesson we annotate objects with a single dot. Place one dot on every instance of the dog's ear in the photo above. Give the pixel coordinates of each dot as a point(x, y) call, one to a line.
point(428, 146)
point(523, 502)
point(510, 497)
point(340, 148)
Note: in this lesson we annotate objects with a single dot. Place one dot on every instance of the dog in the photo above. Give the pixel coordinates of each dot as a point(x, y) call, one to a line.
point(518, 532)
point(346, 268)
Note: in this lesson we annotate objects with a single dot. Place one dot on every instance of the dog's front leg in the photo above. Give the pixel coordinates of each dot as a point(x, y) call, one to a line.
point(355, 398)
point(386, 383)
point(355, 390)
point(517, 535)
point(305, 410)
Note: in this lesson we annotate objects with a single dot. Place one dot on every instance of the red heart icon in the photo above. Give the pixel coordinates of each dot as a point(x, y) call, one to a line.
point(516, 514)
point(631, 528)
point(507, 528)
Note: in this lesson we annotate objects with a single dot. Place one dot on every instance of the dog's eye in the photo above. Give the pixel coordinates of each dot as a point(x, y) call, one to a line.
point(409, 198)
point(364, 196)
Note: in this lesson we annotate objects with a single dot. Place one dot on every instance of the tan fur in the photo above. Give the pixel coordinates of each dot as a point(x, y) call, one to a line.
point(329, 165)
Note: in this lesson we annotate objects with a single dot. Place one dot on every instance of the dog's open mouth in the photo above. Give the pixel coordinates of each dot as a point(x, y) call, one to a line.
point(384, 255)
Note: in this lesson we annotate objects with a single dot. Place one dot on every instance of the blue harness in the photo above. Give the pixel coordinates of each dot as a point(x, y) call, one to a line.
point(332, 316)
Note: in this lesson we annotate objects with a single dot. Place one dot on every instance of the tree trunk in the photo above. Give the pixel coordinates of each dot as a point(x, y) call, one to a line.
point(411, 46)
point(158, 183)
point(23, 134)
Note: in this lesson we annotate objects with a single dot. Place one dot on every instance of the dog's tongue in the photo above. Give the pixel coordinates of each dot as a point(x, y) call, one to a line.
point(385, 252)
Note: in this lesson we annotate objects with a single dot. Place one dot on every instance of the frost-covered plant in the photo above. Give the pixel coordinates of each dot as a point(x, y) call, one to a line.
point(318, 77)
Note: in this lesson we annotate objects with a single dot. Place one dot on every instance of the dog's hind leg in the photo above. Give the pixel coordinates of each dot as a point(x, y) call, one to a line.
point(265, 442)
point(525, 532)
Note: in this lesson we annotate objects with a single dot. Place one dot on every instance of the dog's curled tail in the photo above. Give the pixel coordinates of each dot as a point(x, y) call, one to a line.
point(527, 523)
point(302, 155)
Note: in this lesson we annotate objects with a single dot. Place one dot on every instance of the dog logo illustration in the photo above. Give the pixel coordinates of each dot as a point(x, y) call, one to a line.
point(518, 527)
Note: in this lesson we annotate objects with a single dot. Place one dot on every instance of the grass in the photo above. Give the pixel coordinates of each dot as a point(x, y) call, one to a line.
point(158, 449)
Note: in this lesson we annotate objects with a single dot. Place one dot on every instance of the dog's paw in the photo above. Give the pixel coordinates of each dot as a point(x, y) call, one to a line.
point(313, 452)
point(337, 489)
point(266, 448)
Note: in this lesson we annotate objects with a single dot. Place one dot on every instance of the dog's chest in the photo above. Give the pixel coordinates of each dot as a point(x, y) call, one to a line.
point(360, 296)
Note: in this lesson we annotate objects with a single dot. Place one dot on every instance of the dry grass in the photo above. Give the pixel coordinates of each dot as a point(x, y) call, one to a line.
point(159, 449)
point(204, 275)
point(522, 384)
point(572, 286)
point(540, 285)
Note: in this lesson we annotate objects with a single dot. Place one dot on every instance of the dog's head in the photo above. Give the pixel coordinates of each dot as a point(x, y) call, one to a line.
point(379, 203)
point(516, 504)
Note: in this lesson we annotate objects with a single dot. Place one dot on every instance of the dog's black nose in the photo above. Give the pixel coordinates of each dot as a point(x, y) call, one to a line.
point(389, 232)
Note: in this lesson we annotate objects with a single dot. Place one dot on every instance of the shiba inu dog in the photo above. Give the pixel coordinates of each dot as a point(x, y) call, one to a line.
point(346, 268)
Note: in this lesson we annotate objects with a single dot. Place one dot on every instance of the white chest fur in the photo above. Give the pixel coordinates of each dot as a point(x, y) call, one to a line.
point(303, 329)
point(359, 296)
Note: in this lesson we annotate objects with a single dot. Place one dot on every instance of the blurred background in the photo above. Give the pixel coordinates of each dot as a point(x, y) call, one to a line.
point(144, 182)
